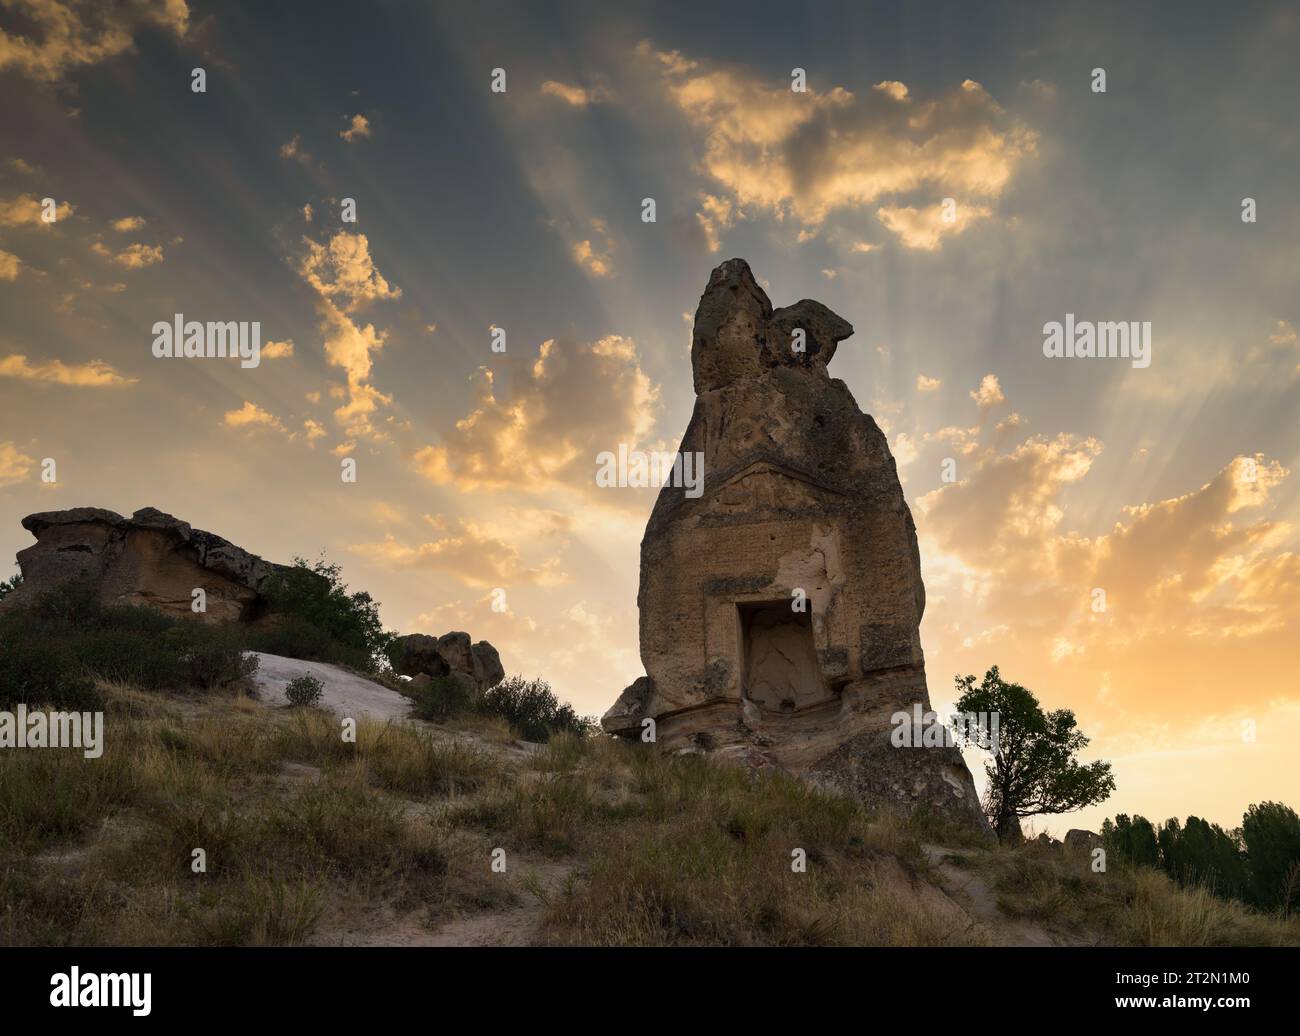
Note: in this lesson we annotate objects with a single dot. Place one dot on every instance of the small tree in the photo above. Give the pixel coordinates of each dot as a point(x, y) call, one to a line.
point(317, 618)
point(1034, 770)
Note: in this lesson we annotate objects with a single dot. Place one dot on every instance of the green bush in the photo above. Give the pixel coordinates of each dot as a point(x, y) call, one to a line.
point(528, 706)
point(53, 650)
point(304, 690)
point(442, 698)
point(312, 616)
point(532, 710)
point(41, 673)
point(210, 656)
point(293, 638)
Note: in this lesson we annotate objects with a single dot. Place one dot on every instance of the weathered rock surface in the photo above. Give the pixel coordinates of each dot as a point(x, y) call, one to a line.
point(1082, 841)
point(452, 654)
point(417, 654)
point(148, 559)
point(780, 610)
point(488, 670)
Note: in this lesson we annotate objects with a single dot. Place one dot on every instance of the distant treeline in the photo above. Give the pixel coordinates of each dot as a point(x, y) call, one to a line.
point(1257, 863)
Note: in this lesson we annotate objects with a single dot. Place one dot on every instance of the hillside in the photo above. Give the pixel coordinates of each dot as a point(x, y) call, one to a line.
point(309, 839)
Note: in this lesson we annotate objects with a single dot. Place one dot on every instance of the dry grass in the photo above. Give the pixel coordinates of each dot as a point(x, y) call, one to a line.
point(298, 824)
point(101, 851)
point(681, 851)
point(1123, 906)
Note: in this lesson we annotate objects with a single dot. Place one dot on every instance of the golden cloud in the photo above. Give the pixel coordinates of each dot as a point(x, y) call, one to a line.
point(95, 374)
point(73, 33)
point(715, 215)
point(26, 210)
point(343, 271)
point(809, 154)
point(989, 393)
point(574, 96)
point(595, 263)
point(1203, 566)
point(924, 228)
point(137, 256)
point(250, 415)
point(345, 277)
point(359, 127)
point(9, 266)
point(14, 466)
point(467, 552)
point(574, 401)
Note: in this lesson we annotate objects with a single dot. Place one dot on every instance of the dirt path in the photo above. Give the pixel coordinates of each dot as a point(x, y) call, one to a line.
point(519, 925)
point(981, 902)
point(347, 924)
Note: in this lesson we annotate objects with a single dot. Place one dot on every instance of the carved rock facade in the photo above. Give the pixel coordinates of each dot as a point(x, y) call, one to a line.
point(801, 503)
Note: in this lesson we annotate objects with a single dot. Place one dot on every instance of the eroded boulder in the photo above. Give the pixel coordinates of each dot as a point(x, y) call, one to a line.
point(151, 559)
point(1079, 840)
point(452, 654)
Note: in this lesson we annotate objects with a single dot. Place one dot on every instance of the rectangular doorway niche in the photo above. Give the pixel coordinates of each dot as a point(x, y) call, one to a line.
point(778, 657)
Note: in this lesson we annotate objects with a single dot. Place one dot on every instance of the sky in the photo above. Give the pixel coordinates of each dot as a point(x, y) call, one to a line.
point(950, 180)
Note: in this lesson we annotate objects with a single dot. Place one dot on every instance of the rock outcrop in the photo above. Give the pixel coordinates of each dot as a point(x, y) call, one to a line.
point(1081, 840)
point(452, 654)
point(780, 609)
point(148, 559)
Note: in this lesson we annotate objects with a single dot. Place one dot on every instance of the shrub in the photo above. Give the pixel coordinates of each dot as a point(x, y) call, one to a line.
point(304, 690)
point(314, 617)
point(36, 672)
point(442, 698)
point(210, 656)
point(51, 651)
point(532, 710)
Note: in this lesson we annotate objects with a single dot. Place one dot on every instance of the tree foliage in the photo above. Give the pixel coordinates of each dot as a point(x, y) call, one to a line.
point(1271, 833)
point(313, 616)
point(1034, 769)
point(1257, 864)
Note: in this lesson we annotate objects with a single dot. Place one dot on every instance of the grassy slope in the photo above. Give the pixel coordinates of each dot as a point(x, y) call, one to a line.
point(309, 838)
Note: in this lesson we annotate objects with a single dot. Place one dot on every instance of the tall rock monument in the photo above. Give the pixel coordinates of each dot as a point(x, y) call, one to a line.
point(780, 609)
